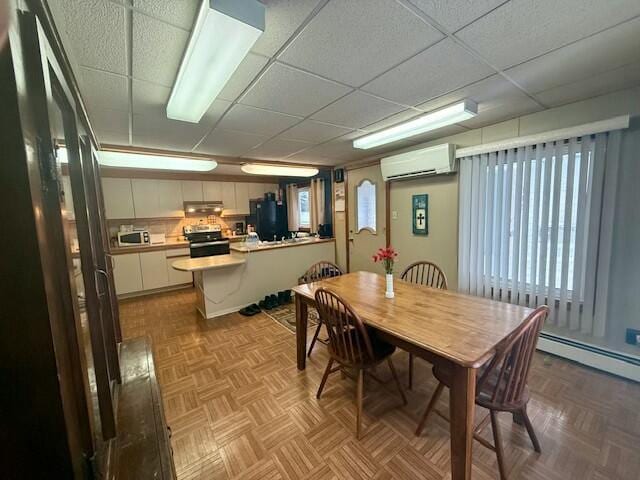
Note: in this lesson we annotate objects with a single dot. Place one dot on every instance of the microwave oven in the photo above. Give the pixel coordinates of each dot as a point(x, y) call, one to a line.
point(140, 237)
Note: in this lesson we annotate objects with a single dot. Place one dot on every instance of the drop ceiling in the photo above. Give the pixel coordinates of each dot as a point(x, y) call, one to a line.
point(328, 71)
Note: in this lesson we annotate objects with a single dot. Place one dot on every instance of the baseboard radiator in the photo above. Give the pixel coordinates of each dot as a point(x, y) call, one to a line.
point(610, 361)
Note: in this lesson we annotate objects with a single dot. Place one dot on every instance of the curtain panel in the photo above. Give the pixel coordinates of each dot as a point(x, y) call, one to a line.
point(316, 203)
point(536, 227)
point(292, 208)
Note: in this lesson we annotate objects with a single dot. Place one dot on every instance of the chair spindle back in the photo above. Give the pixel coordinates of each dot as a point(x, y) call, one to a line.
point(349, 341)
point(505, 378)
point(425, 273)
point(320, 271)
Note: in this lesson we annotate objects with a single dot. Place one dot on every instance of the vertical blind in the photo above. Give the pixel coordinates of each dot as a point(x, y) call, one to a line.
point(532, 223)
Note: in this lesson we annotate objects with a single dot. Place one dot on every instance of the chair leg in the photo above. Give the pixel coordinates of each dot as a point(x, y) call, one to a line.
point(410, 371)
point(432, 403)
point(397, 380)
point(324, 377)
point(530, 431)
point(315, 337)
point(498, 444)
point(359, 394)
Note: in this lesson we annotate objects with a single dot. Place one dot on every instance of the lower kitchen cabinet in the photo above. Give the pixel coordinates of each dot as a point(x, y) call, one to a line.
point(154, 270)
point(178, 277)
point(127, 274)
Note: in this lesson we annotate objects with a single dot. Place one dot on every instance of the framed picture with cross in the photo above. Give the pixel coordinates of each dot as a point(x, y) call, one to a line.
point(421, 214)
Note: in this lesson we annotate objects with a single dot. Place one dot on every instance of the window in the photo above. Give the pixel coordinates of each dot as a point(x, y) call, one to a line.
point(530, 226)
point(304, 213)
point(366, 206)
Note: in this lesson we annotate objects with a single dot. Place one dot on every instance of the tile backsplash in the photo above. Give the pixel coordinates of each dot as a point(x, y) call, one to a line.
point(171, 228)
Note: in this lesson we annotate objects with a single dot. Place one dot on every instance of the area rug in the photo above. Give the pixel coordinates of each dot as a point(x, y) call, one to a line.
point(286, 315)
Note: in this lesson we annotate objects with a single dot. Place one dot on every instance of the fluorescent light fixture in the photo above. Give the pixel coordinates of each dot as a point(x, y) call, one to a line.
point(223, 34)
point(154, 162)
point(431, 121)
point(278, 170)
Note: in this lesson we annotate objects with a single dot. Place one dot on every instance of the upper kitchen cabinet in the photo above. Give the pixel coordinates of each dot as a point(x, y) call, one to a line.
point(192, 191)
point(118, 198)
point(242, 198)
point(229, 196)
point(157, 198)
point(212, 191)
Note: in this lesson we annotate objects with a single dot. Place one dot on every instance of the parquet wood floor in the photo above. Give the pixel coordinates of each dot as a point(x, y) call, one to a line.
point(239, 409)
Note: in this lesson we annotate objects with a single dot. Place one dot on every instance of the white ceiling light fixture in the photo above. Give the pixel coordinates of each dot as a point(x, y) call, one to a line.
point(154, 162)
point(278, 170)
point(457, 112)
point(223, 34)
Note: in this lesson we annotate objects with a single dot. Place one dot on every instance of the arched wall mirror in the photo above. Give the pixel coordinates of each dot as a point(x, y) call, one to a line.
point(366, 206)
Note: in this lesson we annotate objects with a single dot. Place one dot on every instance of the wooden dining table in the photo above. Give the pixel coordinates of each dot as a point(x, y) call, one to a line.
point(440, 326)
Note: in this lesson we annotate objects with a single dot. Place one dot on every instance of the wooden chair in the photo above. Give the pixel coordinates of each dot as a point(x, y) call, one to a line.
point(423, 273)
point(319, 271)
point(352, 345)
point(501, 384)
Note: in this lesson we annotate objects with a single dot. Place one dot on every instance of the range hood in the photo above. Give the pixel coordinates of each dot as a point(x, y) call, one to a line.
point(199, 209)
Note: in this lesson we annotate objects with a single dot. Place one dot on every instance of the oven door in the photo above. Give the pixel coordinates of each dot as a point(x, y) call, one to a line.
point(207, 249)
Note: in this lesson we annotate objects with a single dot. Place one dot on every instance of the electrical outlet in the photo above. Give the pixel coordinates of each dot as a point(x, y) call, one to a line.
point(633, 336)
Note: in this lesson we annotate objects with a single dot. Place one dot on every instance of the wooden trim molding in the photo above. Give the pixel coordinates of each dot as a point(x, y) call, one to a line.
point(387, 212)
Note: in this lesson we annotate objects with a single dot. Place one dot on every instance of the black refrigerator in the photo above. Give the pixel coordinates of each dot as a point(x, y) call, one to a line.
point(269, 218)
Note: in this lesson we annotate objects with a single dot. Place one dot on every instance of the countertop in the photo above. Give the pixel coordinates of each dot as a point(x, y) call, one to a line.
point(207, 263)
point(149, 248)
point(242, 248)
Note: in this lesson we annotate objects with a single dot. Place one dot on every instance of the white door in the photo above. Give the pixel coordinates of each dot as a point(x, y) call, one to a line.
point(169, 194)
point(242, 199)
point(118, 198)
point(192, 191)
point(367, 219)
point(127, 275)
point(154, 270)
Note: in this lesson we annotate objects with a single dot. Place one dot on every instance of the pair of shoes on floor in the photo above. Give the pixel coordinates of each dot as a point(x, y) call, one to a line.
point(250, 310)
point(272, 301)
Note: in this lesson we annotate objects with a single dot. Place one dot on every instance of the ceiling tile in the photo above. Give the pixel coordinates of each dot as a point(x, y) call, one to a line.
point(352, 42)
point(104, 90)
point(150, 99)
point(497, 100)
point(157, 50)
point(438, 70)
point(357, 110)
point(110, 123)
point(521, 29)
point(277, 149)
point(113, 138)
point(315, 132)
point(243, 76)
point(455, 14)
point(181, 14)
point(314, 158)
point(256, 121)
point(229, 143)
point(392, 120)
point(288, 90)
point(283, 17)
point(160, 132)
point(95, 30)
point(604, 51)
point(618, 79)
point(338, 149)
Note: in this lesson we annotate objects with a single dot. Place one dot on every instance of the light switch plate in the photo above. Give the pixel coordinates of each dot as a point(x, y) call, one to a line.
point(394, 214)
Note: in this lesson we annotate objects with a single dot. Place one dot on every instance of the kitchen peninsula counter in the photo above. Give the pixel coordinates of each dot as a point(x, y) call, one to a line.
point(245, 276)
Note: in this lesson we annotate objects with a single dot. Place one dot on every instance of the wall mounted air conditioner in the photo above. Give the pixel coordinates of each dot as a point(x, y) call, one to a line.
point(436, 160)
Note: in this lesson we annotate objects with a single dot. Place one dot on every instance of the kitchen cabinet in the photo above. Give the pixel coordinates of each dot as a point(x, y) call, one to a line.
point(256, 190)
point(212, 191)
point(242, 198)
point(157, 198)
point(229, 195)
point(192, 191)
point(154, 270)
point(127, 273)
point(178, 277)
point(170, 202)
point(118, 198)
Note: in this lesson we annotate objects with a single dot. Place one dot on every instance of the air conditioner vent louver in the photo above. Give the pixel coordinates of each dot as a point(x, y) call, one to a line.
point(437, 160)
